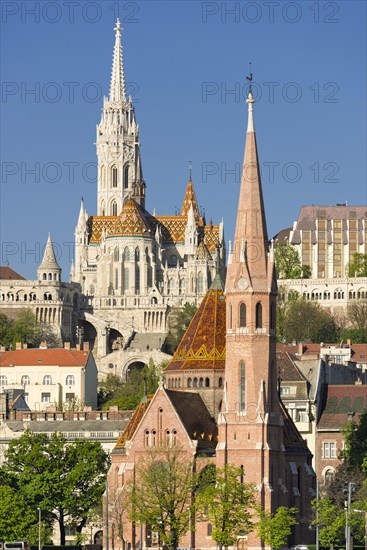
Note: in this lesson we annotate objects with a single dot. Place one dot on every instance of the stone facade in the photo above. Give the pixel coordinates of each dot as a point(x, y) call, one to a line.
point(133, 266)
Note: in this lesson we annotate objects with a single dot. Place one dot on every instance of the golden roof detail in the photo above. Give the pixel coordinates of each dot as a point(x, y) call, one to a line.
point(190, 198)
point(203, 345)
point(133, 423)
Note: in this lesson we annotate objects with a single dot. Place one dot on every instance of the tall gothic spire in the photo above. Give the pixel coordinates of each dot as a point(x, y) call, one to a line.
point(249, 259)
point(117, 88)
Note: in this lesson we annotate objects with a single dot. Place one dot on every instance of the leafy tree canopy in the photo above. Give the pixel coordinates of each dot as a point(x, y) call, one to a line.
point(64, 480)
point(288, 263)
point(358, 267)
point(306, 321)
point(27, 330)
point(274, 529)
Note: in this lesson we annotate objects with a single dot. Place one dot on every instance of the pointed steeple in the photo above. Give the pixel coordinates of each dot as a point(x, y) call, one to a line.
point(81, 217)
point(117, 88)
point(49, 269)
point(190, 199)
point(249, 259)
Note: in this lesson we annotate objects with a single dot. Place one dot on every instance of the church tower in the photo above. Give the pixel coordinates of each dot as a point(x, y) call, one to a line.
point(120, 174)
point(250, 422)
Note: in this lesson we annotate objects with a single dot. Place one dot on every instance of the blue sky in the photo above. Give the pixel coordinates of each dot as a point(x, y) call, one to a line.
point(185, 64)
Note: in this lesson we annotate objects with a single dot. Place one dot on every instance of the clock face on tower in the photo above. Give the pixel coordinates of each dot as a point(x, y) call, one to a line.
point(242, 283)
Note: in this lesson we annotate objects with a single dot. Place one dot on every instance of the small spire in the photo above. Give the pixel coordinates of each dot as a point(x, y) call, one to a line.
point(117, 88)
point(49, 258)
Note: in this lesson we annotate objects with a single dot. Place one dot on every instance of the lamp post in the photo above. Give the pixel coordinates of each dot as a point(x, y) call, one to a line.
point(365, 533)
point(39, 527)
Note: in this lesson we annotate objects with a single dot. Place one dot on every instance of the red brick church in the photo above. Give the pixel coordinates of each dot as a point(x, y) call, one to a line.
point(220, 400)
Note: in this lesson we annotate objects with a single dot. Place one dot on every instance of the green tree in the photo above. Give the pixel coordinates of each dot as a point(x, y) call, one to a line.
point(16, 517)
point(226, 502)
point(358, 266)
point(285, 299)
point(178, 321)
point(25, 329)
point(357, 316)
point(6, 338)
point(331, 522)
point(64, 480)
point(274, 529)
point(355, 449)
point(306, 321)
point(161, 494)
point(288, 263)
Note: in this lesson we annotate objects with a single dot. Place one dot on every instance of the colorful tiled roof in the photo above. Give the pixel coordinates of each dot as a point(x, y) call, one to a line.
point(190, 198)
point(133, 423)
point(51, 357)
point(203, 345)
point(342, 404)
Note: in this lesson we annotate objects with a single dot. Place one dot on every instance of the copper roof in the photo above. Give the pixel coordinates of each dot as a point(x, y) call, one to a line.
point(51, 357)
point(203, 345)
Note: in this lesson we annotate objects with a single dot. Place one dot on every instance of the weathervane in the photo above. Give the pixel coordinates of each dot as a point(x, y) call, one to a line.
point(249, 78)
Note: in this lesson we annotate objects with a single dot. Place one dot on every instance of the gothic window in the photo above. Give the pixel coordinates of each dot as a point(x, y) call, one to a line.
point(137, 254)
point(209, 530)
point(195, 382)
point(242, 315)
point(103, 176)
point(171, 285)
point(201, 383)
point(70, 380)
point(207, 382)
point(242, 386)
point(47, 380)
point(189, 382)
point(127, 254)
point(259, 315)
point(25, 381)
point(137, 270)
point(200, 283)
point(116, 279)
point(116, 254)
point(114, 208)
point(126, 177)
point(114, 176)
point(220, 382)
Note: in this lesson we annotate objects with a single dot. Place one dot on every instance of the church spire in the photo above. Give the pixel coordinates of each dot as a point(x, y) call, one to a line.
point(117, 88)
point(49, 270)
point(250, 247)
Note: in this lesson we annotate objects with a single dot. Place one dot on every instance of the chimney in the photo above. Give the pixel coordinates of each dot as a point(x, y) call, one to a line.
point(349, 342)
point(86, 346)
point(67, 345)
point(300, 348)
point(18, 345)
point(43, 344)
point(25, 346)
point(77, 347)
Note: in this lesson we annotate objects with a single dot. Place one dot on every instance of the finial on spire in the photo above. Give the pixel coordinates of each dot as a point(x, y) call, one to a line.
point(190, 170)
point(250, 100)
point(117, 88)
point(249, 78)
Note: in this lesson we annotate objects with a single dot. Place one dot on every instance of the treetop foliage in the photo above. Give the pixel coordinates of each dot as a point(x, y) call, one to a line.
point(288, 263)
point(25, 329)
point(358, 267)
point(178, 321)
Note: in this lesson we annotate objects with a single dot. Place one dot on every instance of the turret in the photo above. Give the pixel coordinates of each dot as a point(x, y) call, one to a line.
point(49, 270)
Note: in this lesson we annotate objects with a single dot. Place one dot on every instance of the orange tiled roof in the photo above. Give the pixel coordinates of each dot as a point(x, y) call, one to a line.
point(9, 273)
point(203, 345)
point(51, 357)
point(190, 198)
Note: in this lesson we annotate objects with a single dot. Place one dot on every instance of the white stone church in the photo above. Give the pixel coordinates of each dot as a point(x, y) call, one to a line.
point(134, 267)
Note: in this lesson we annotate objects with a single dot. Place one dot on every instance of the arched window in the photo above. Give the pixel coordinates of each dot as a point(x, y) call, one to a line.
point(329, 476)
point(127, 254)
point(189, 382)
point(70, 380)
point(114, 208)
point(137, 254)
point(207, 382)
point(3, 380)
point(209, 530)
point(201, 382)
point(195, 382)
point(242, 386)
point(114, 176)
point(126, 278)
point(47, 380)
point(44, 276)
point(220, 382)
point(50, 276)
point(25, 381)
point(116, 254)
point(200, 288)
point(259, 315)
point(126, 176)
point(171, 285)
point(242, 315)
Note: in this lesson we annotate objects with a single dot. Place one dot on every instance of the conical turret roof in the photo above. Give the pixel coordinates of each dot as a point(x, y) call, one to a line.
point(49, 259)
